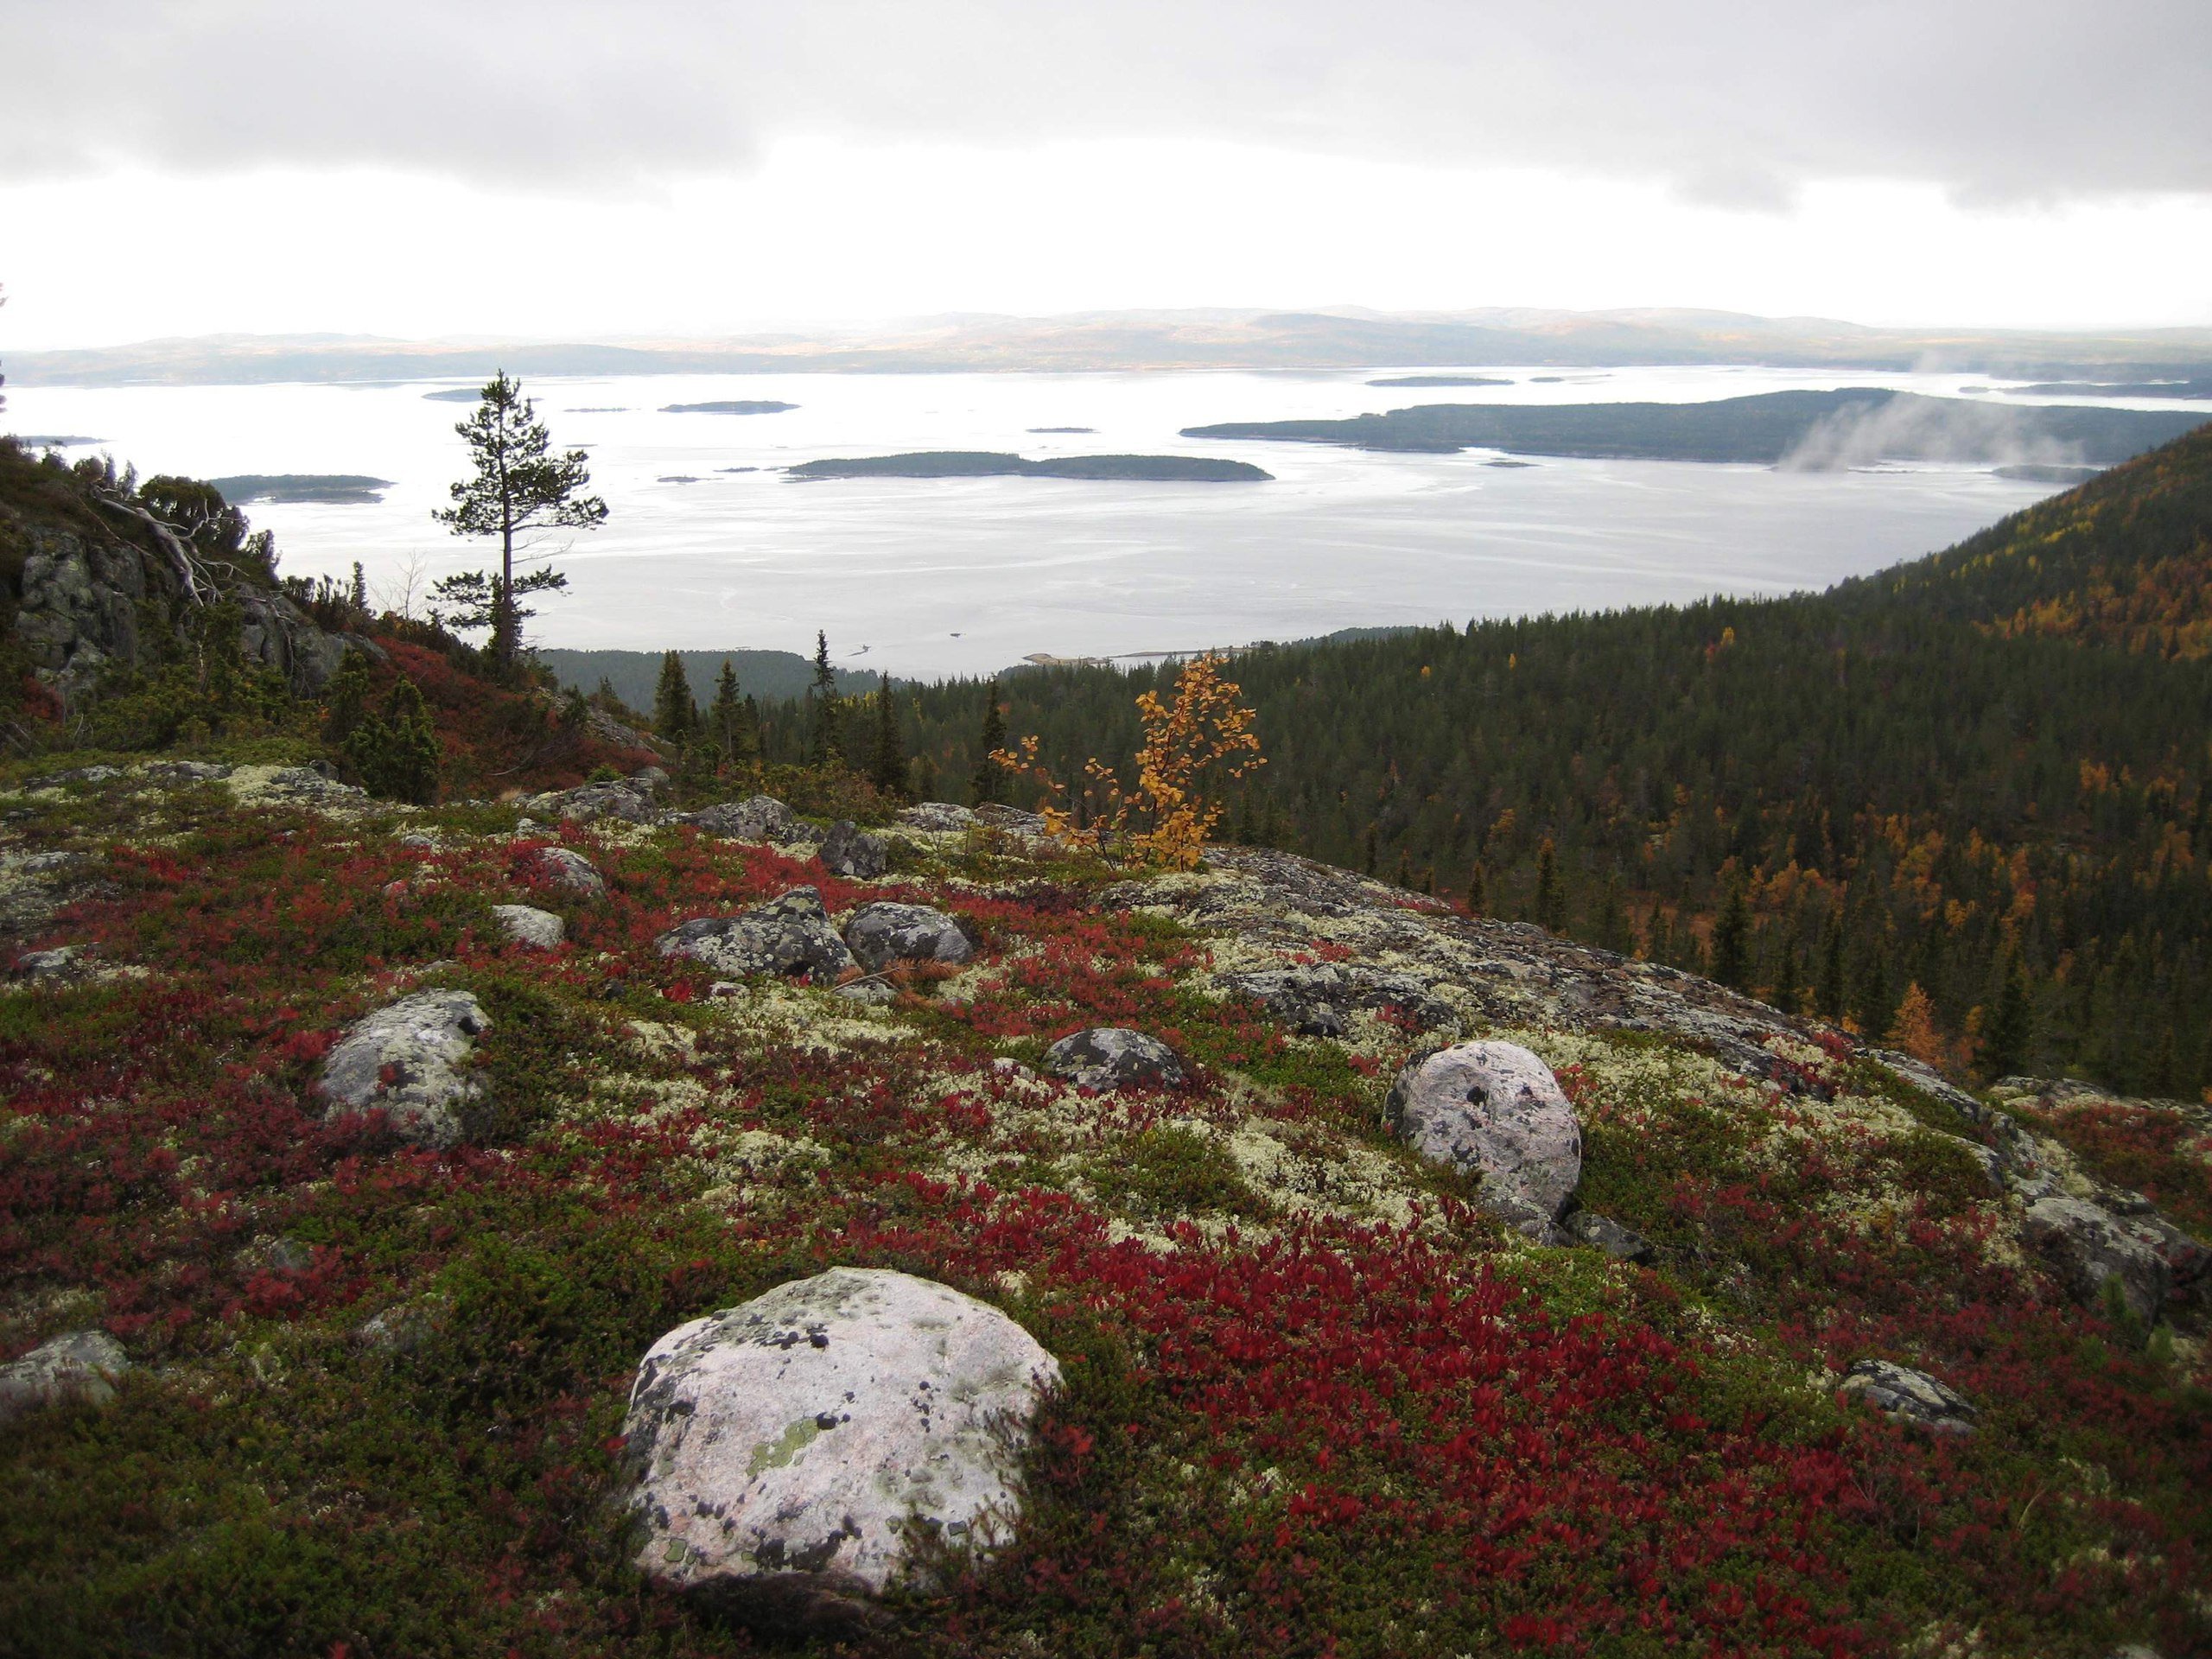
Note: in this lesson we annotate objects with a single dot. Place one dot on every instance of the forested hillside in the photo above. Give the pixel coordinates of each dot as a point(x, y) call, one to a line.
point(1991, 757)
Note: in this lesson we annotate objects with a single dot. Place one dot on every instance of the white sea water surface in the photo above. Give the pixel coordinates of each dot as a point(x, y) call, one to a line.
point(932, 576)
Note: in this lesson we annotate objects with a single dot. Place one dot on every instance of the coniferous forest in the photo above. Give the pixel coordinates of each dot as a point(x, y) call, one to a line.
point(1962, 803)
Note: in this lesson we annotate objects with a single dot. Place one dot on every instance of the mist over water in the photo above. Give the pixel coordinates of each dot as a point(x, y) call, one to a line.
point(966, 575)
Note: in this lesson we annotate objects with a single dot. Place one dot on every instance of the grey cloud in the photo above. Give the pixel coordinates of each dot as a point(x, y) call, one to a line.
point(1731, 102)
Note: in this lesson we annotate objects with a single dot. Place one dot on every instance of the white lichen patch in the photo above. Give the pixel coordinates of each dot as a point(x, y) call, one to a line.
point(765, 1012)
point(1318, 1174)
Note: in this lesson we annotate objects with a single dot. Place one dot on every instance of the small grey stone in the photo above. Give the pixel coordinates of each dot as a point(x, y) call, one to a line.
point(649, 778)
point(1601, 1232)
point(850, 851)
point(409, 1060)
point(63, 962)
point(1494, 1110)
point(882, 933)
point(570, 871)
point(1114, 1056)
point(1911, 1395)
point(526, 925)
point(756, 817)
point(872, 992)
point(79, 1365)
point(789, 935)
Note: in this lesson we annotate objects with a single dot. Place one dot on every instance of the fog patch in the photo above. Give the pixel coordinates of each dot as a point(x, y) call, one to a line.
point(1911, 427)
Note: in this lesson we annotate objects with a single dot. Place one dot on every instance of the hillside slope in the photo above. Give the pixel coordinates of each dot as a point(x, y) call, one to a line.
point(1993, 756)
point(1318, 1397)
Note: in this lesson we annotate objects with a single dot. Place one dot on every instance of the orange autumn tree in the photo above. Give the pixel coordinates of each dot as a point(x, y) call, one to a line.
point(1201, 740)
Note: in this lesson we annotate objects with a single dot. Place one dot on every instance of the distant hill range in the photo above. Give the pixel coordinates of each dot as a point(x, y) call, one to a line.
point(1348, 338)
point(1813, 429)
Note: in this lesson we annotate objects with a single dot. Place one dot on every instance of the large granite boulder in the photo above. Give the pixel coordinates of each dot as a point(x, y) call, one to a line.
point(756, 817)
point(2090, 1249)
point(785, 1452)
point(881, 934)
point(789, 936)
point(1114, 1056)
point(1493, 1111)
point(526, 925)
point(410, 1061)
point(568, 870)
point(81, 1365)
point(624, 799)
point(937, 817)
point(850, 851)
point(1909, 1395)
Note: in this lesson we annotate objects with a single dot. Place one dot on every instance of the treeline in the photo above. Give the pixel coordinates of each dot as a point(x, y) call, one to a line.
point(1964, 802)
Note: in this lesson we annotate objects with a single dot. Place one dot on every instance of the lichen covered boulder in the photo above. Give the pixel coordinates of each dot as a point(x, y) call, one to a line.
point(1909, 1395)
point(881, 934)
point(410, 1061)
point(2091, 1249)
point(783, 1452)
point(1108, 1057)
point(937, 817)
point(568, 870)
point(1493, 1111)
point(81, 1365)
point(756, 817)
point(526, 925)
point(789, 936)
point(850, 851)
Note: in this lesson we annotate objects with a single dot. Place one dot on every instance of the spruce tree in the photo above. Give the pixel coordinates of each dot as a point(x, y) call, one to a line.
point(1551, 904)
point(674, 712)
point(346, 699)
point(887, 767)
point(989, 783)
point(1831, 990)
point(729, 726)
point(1732, 934)
point(396, 754)
point(826, 742)
point(1784, 996)
point(2004, 1036)
point(1477, 890)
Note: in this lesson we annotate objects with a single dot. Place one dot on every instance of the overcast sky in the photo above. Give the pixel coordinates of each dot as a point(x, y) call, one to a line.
point(474, 166)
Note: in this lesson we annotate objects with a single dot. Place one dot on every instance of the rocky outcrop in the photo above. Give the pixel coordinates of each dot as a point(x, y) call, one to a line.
point(756, 817)
point(410, 1061)
point(2096, 1254)
point(80, 1366)
point(1108, 1058)
point(1909, 1395)
point(880, 934)
point(785, 1453)
point(1493, 1111)
point(789, 936)
point(568, 870)
point(621, 798)
point(1603, 1233)
point(526, 925)
point(937, 817)
point(850, 851)
point(1319, 998)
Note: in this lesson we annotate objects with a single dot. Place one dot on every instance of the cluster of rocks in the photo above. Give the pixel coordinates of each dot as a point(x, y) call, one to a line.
point(790, 936)
point(844, 849)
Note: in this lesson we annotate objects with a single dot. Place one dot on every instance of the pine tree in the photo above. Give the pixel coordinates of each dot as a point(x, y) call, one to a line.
point(887, 768)
point(989, 783)
point(1477, 890)
point(1731, 937)
point(1551, 904)
point(346, 699)
point(675, 714)
point(520, 486)
point(2006, 1033)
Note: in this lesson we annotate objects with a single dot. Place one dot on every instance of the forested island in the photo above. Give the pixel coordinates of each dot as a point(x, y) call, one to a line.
point(1442, 380)
point(2200, 387)
point(730, 406)
point(1852, 427)
point(981, 463)
point(327, 489)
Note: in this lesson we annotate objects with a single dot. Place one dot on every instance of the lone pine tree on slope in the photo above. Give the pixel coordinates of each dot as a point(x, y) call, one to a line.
point(521, 487)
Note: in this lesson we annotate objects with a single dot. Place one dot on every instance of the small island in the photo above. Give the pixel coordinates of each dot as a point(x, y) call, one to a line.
point(54, 440)
point(730, 406)
point(1442, 380)
point(1062, 429)
point(975, 463)
point(323, 489)
point(455, 395)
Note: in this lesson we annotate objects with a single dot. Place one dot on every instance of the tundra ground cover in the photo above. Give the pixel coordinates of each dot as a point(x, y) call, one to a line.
point(1316, 1403)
